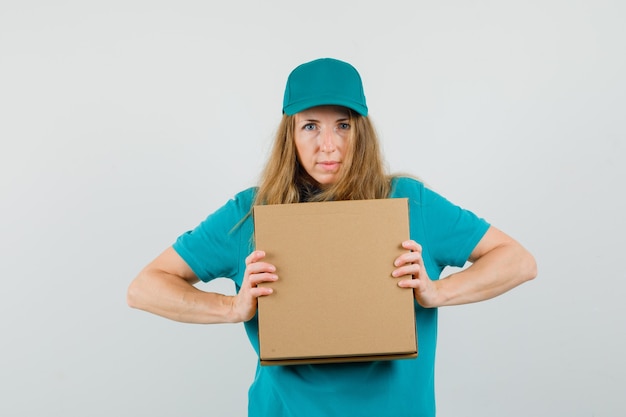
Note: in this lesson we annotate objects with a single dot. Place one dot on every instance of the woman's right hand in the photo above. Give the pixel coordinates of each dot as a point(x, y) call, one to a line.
point(244, 304)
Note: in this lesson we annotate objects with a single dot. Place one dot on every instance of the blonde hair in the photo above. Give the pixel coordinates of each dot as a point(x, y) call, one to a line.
point(362, 175)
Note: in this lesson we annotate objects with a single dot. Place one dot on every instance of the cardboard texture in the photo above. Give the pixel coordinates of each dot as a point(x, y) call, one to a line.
point(335, 299)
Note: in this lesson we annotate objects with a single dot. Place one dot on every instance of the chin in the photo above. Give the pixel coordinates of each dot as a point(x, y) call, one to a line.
point(325, 181)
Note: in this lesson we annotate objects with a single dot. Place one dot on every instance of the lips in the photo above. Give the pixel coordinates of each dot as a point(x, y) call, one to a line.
point(329, 165)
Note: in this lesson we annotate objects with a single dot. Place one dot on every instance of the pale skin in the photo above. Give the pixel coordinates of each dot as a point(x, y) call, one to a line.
point(166, 285)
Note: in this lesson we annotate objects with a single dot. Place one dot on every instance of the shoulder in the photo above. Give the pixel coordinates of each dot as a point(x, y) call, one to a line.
point(246, 197)
point(231, 212)
point(418, 192)
point(405, 186)
point(241, 202)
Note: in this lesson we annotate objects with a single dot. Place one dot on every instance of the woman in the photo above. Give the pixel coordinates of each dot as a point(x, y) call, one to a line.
point(326, 149)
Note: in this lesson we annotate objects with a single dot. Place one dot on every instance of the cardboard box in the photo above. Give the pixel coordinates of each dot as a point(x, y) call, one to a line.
point(335, 299)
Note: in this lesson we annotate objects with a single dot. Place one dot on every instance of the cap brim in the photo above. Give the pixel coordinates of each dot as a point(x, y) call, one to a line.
point(299, 106)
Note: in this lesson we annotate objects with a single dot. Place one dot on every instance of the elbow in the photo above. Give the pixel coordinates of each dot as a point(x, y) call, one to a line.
point(133, 295)
point(529, 267)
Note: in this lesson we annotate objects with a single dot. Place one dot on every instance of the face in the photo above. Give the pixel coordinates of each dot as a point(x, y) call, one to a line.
point(322, 136)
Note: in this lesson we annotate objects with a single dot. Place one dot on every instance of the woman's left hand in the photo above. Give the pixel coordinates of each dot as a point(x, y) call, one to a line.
point(411, 263)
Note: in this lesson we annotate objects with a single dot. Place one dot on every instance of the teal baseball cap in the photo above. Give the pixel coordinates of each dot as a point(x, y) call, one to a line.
point(324, 81)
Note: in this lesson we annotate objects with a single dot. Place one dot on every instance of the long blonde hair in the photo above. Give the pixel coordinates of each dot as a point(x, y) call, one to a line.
point(362, 175)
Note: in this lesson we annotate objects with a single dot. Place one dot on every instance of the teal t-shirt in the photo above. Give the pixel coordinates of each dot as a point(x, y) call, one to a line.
point(448, 234)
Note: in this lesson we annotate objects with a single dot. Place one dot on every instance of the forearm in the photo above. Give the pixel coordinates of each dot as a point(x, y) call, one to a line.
point(169, 296)
point(494, 273)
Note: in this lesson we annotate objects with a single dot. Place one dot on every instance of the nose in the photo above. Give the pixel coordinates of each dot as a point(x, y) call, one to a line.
point(328, 141)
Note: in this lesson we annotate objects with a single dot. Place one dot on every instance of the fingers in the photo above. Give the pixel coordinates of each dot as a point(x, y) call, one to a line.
point(255, 256)
point(409, 263)
point(411, 266)
point(258, 272)
point(257, 292)
point(256, 279)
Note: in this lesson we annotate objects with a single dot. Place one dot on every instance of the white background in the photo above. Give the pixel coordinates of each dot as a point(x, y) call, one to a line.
point(125, 123)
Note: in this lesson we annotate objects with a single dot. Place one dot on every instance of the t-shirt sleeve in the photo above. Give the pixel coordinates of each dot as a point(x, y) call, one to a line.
point(212, 249)
point(452, 232)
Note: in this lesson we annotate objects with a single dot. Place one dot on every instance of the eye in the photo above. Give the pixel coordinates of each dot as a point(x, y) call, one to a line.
point(309, 127)
point(343, 126)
